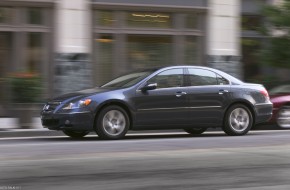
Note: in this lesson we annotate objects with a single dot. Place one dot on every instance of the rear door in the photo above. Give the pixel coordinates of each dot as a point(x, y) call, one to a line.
point(208, 95)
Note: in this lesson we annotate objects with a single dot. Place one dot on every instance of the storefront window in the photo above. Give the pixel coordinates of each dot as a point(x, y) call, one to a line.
point(250, 48)
point(104, 18)
point(251, 22)
point(191, 48)
point(191, 21)
point(104, 57)
point(149, 19)
point(149, 51)
point(5, 56)
point(6, 15)
point(35, 49)
point(35, 16)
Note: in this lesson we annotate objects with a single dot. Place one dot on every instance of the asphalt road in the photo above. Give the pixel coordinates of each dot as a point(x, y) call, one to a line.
point(257, 161)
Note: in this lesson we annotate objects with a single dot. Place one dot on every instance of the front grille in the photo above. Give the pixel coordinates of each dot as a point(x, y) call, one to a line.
point(50, 122)
point(51, 106)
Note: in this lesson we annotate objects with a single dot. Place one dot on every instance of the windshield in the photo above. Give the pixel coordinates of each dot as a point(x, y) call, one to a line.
point(127, 80)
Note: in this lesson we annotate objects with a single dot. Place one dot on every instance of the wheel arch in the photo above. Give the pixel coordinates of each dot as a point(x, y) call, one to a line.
point(116, 103)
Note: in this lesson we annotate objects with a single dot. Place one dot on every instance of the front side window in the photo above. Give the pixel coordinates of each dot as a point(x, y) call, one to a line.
point(168, 79)
point(201, 77)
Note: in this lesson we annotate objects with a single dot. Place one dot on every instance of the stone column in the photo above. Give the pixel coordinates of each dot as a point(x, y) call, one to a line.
point(72, 69)
point(223, 38)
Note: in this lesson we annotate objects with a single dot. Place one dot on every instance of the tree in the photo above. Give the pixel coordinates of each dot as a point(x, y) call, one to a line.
point(276, 52)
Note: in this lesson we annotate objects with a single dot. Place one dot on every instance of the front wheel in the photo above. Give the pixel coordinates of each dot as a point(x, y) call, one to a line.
point(195, 131)
point(75, 134)
point(112, 123)
point(238, 120)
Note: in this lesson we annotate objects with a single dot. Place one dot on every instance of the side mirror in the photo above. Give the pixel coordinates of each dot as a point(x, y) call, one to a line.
point(151, 86)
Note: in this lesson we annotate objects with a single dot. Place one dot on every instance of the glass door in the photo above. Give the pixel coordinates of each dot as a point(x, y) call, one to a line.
point(145, 51)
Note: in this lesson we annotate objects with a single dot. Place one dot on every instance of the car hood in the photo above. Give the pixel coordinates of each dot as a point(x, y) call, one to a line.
point(80, 94)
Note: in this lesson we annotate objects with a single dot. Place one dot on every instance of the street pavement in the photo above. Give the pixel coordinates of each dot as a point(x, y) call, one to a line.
point(175, 160)
point(9, 128)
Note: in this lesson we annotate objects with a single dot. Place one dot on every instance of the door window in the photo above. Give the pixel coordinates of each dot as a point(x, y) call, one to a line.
point(201, 77)
point(168, 79)
point(222, 81)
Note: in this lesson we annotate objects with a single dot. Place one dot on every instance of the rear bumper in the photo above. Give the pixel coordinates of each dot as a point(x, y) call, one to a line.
point(263, 112)
point(80, 121)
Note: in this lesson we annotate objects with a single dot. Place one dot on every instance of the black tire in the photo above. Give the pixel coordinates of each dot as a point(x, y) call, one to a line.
point(112, 123)
point(238, 120)
point(195, 131)
point(75, 134)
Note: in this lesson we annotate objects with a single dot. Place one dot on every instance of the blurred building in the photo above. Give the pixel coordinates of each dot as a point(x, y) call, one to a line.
point(77, 44)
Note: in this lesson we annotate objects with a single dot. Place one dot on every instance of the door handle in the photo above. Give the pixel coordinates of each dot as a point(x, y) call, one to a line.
point(179, 94)
point(223, 91)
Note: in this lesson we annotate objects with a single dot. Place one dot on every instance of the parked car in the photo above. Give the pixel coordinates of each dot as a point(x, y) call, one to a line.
point(192, 98)
point(280, 97)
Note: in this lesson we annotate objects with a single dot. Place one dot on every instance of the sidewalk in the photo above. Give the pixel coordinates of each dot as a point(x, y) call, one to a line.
point(11, 123)
point(9, 128)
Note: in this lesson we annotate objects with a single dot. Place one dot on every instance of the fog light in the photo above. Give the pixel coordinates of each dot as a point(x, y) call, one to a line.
point(67, 122)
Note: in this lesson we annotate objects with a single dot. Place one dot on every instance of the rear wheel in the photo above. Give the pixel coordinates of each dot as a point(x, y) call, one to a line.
point(112, 123)
point(195, 131)
point(283, 117)
point(238, 120)
point(75, 134)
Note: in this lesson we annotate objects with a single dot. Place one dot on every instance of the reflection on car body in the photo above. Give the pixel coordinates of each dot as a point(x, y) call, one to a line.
point(192, 98)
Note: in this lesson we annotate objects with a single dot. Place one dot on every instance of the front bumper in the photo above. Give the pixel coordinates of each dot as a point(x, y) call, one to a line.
point(80, 121)
point(263, 112)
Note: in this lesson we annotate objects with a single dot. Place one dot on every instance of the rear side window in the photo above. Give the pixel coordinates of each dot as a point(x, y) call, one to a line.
point(221, 80)
point(201, 77)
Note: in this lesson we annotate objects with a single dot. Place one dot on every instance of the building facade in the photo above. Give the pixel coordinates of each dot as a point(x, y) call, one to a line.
point(78, 44)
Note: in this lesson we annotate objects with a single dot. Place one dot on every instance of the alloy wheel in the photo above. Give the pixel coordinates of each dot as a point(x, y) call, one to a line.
point(114, 122)
point(239, 119)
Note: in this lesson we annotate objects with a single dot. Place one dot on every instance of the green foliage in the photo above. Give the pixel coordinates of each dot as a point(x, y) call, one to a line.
point(26, 88)
point(276, 51)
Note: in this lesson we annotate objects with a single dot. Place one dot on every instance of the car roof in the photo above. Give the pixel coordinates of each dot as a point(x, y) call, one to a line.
point(222, 73)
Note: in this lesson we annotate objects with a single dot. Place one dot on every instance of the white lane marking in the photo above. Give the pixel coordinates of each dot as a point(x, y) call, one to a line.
point(276, 187)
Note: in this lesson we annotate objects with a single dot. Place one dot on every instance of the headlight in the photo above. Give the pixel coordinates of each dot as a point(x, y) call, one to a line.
point(78, 104)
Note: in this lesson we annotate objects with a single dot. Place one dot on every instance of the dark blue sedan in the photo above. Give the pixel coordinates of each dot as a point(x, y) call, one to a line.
point(192, 98)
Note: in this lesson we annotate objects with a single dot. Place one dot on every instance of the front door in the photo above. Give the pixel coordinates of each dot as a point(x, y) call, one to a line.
point(165, 106)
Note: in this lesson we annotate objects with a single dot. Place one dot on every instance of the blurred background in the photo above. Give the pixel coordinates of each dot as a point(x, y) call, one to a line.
point(52, 47)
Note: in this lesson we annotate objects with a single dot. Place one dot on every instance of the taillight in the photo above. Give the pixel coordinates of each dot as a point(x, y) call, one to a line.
point(264, 93)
